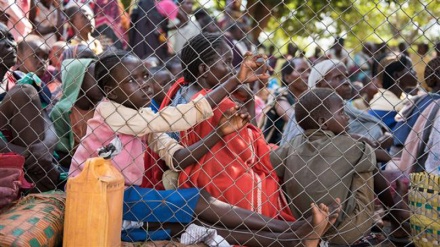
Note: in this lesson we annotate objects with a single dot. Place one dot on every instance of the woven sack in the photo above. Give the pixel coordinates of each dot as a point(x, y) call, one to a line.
point(425, 207)
point(36, 220)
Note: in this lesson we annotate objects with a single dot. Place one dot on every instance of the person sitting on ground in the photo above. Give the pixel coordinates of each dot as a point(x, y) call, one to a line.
point(24, 124)
point(76, 106)
point(33, 55)
point(333, 74)
point(237, 169)
point(327, 163)
point(122, 114)
point(80, 17)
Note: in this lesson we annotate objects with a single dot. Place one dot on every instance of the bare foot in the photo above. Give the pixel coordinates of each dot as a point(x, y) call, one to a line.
point(323, 217)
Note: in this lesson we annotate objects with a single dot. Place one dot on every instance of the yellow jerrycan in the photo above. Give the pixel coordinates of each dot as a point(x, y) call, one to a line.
point(93, 215)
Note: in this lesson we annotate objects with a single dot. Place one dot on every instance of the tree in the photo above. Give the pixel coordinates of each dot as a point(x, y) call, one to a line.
point(358, 20)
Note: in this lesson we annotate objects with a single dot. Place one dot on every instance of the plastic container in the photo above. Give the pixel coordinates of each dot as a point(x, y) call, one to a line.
point(94, 202)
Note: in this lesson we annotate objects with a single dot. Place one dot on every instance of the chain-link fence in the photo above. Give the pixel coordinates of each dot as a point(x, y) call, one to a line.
point(255, 123)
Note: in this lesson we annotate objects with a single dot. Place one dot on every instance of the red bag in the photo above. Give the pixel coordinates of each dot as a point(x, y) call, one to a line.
point(11, 177)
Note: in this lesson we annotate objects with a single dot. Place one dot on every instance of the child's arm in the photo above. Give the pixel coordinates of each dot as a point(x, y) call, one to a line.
point(144, 121)
point(381, 154)
point(178, 157)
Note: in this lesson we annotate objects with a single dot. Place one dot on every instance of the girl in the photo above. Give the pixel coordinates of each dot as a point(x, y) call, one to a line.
point(238, 169)
point(124, 82)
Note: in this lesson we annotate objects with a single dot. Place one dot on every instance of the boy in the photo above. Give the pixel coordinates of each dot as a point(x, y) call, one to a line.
point(326, 163)
point(82, 21)
point(33, 56)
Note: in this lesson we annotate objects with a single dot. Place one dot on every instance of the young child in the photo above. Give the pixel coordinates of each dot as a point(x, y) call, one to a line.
point(33, 55)
point(124, 82)
point(162, 80)
point(24, 125)
point(81, 19)
point(76, 107)
point(326, 163)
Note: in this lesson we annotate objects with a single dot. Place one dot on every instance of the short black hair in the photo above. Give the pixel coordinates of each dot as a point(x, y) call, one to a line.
point(24, 43)
point(106, 63)
point(71, 12)
point(397, 66)
point(287, 69)
point(312, 105)
point(202, 48)
point(432, 72)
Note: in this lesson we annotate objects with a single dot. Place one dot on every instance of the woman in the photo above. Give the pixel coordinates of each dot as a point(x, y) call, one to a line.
point(237, 170)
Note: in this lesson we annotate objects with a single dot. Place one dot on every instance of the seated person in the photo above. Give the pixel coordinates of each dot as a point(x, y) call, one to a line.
point(237, 170)
point(24, 124)
point(76, 106)
point(80, 17)
point(294, 76)
point(124, 81)
point(326, 163)
point(33, 56)
point(395, 75)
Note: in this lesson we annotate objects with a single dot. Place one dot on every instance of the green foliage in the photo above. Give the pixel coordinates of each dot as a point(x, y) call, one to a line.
point(389, 21)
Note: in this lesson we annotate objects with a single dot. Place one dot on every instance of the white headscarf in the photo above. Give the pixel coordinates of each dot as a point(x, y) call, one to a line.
point(320, 70)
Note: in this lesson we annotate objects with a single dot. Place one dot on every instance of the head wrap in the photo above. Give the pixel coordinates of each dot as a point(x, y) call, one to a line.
point(320, 70)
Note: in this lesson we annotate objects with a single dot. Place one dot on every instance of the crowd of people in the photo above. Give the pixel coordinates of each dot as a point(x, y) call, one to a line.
point(266, 149)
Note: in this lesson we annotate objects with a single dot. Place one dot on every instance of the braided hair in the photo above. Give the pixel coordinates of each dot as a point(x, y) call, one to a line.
point(201, 49)
point(106, 63)
point(432, 72)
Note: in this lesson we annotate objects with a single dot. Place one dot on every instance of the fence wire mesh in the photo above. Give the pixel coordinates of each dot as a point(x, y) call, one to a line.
point(232, 122)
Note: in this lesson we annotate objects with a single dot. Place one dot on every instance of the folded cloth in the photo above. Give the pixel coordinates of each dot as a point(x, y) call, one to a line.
point(197, 234)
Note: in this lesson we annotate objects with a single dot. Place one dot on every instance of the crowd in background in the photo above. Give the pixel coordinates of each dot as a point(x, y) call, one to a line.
point(197, 103)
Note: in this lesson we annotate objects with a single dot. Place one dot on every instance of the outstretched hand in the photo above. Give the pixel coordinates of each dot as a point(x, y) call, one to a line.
point(254, 68)
point(233, 120)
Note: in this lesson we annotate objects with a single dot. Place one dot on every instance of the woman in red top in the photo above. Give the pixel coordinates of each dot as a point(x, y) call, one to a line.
point(237, 170)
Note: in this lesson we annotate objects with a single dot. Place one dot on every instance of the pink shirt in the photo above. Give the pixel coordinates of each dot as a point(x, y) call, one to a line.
point(136, 128)
point(130, 161)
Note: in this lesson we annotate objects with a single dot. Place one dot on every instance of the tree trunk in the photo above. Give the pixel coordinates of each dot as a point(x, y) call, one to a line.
point(260, 14)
